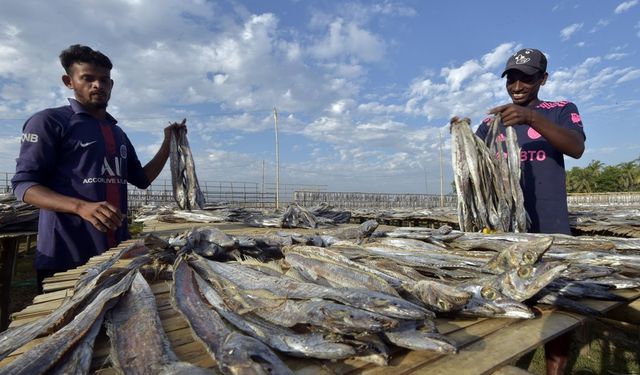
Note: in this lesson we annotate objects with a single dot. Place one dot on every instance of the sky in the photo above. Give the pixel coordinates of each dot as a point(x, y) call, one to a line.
point(363, 89)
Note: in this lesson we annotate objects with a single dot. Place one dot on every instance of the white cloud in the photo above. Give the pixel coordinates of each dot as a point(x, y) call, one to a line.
point(586, 82)
point(351, 113)
point(625, 6)
point(568, 31)
point(615, 56)
point(348, 40)
point(498, 56)
point(629, 76)
point(602, 23)
point(455, 76)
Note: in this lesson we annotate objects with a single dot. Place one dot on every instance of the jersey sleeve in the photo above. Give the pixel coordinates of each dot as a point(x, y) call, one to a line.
point(38, 148)
point(570, 118)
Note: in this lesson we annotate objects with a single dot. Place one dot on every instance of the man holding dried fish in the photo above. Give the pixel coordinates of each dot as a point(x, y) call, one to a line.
point(546, 131)
point(75, 163)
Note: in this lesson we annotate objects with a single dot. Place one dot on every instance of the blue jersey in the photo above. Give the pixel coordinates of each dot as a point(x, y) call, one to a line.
point(74, 154)
point(543, 177)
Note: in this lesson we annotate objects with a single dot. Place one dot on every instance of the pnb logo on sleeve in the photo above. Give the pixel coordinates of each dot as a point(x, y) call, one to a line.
point(29, 137)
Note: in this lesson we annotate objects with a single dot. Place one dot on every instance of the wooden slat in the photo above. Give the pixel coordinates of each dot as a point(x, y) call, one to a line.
point(60, 294)
point(511, 370)
point(627, 313)
point(498, 348)
point(412, 360)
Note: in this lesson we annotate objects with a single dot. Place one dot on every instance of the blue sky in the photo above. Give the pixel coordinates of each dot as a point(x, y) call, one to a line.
point(364, 89)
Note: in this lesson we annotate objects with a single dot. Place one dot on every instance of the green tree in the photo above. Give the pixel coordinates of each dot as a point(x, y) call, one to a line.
point(598, 177)
point(629, 176)
point(607, 180)
point(578, 181)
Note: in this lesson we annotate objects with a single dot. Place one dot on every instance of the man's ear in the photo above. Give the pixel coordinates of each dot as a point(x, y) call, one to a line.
point(544, 78)
point(67, 81)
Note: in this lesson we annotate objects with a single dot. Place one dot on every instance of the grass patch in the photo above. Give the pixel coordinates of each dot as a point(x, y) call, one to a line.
point(597, 348)
point(23, 285)
point(135, 229)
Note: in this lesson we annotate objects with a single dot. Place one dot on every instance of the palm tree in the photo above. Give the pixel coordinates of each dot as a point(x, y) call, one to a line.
point(629, 176)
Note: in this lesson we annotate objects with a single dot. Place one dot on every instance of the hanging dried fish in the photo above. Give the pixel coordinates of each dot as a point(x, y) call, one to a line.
point(186, 189)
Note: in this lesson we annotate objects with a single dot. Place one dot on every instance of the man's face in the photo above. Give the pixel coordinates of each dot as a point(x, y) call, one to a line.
point(91, 85)
point(523, 88)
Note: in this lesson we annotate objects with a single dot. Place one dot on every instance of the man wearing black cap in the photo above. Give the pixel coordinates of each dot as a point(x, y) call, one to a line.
point(546, 132)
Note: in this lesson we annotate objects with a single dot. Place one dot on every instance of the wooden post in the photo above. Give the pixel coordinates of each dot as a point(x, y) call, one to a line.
point(275, 120)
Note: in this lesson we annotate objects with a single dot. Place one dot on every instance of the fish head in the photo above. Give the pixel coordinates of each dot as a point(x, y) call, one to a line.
point(513, 309)
point(487, 300)
point(519, 254)
point(481, 301)
point(240, 354)
point(525, 281)
point(368, 227)
point(440, 297)
point(444, 229)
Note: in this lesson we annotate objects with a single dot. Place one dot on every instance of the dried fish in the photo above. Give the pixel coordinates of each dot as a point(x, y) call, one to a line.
point(325, 267)
point(277, 337)
point(288, 288)
point(139, 344)
point(45, 355)
point(234, 353)
point(186, 189)
point(417, 335)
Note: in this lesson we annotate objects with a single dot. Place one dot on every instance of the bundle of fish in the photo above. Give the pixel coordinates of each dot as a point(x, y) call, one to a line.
point(487, 179)
point(186, 189)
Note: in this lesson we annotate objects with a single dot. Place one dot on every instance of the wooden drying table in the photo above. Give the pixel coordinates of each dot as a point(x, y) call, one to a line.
point(9, 244)
point(486, 345)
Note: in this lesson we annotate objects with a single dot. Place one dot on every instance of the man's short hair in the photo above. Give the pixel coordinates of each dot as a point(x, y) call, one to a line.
point(82, 54)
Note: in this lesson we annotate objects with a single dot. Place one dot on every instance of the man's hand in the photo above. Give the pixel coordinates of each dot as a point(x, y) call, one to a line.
point(103, 215)
point(513, 114)
point(456, 119)
point(174, 125)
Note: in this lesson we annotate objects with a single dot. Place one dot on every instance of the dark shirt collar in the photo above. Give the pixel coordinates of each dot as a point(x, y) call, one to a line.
point(78, 108)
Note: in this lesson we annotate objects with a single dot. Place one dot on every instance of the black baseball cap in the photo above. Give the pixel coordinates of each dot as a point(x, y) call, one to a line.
point(527, 60)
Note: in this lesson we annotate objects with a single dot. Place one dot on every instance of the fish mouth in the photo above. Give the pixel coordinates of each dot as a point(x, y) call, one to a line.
point(517, 311)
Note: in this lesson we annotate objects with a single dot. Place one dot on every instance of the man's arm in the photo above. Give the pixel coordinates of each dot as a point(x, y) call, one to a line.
point(153, 168)
point(567, 141)
point(102, 215)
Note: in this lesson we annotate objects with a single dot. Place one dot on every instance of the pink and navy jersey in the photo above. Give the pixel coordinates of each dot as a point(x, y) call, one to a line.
point(543, 174)
point(71, 152)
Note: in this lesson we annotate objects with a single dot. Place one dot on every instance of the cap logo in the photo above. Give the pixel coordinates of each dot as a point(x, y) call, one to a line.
point(522, 59)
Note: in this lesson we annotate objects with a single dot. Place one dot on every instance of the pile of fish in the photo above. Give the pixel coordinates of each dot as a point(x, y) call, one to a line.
point(344, 293)
point(608, 220)
point(487, 179)
point(186, 189)
point(16, 215)
point(293, 216)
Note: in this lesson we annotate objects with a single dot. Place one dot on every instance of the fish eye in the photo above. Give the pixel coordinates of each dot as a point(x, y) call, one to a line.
point(524, 271)
point(528, 256)
point(488, 293)
point(442, 304)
